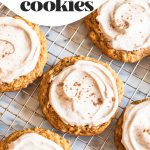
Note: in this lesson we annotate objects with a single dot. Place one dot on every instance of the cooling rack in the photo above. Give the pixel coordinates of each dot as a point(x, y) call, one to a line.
point(20, 110)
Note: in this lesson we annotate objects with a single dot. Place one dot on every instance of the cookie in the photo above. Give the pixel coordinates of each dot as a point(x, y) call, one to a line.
point(118, 133)
point(23, 53)
point(36, 135)
point(115, 32)
point(80, 92)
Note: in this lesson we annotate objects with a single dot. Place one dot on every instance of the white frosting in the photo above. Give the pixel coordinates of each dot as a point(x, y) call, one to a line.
point(126, 23)
point(136, 127)
point(84, 94)
point(19, 49)
point(33, 141)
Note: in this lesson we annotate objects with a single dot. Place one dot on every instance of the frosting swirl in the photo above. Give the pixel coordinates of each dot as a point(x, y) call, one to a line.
point(19, 49)
point(33, 141)
point(126, 23)
point(136, 127)
point(84, 94)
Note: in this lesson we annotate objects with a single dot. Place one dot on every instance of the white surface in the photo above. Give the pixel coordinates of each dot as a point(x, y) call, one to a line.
point(19, 110)
point(51, 18)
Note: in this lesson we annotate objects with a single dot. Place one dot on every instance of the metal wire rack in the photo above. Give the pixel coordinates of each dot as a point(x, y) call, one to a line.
point(20, 110)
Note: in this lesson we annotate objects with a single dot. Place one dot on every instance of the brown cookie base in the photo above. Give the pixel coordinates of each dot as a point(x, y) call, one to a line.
point(98, 38)
point(23, 81)
point(45, 133)
point(49, 112)
point(118, 129)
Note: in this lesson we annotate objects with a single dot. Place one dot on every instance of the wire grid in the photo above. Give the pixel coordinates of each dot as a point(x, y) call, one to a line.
point(20, 110)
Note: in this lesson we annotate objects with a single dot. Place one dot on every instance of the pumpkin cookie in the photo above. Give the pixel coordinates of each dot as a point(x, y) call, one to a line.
point(132, 130)
point(119, 32)
point(80, 95)
point(36, 138)
point(23, 53)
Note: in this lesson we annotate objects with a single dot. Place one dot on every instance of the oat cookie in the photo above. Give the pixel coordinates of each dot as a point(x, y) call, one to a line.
point(111, 34)
point(45, 133)
point(50, 113)
point(118, 129)
point(23, 80)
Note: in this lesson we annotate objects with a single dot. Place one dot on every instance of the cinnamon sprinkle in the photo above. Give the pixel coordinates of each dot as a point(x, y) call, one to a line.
point(61, 84)
point(147, 130)
point(77, 84)
point(92, 94)
point(99, 102)
point(113, 99)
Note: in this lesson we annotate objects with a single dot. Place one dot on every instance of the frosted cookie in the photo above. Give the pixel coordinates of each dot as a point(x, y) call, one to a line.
point(80, 95)
point(132, 131)
point(23, 53)
point(121, 29)
point(35, 139)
